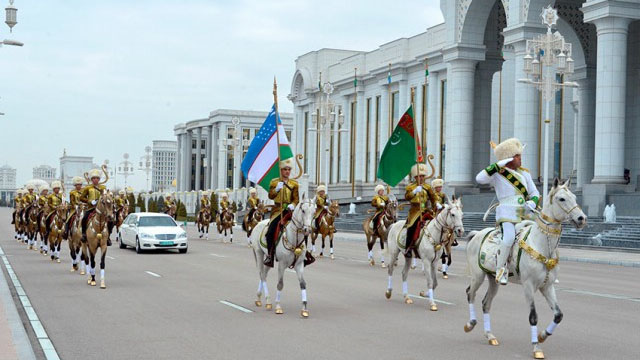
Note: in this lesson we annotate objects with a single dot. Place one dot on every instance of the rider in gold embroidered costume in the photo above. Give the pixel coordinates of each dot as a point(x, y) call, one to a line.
point(29, 200)
point(224, 204)
point(516, 193)
point(89, 197)
point(74, 202)
point(322, 199)
point(252, 202)
point(42, 202)
point(168, 203)
point(53, 200)
point(379, 202)
point(284, 192)
point(418, 194)
point(205, 204)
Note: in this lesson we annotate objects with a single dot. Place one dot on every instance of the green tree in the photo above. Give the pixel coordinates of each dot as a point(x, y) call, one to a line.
point(214, 202)
point(181, 210)
point(140, 203)
point(234, 207)
point(160, 204)
point(153, 205)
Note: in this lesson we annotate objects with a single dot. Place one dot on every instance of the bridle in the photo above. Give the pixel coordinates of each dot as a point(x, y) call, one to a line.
point(443, 227)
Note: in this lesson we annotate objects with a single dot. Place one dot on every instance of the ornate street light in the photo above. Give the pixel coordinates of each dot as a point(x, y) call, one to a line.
point(112, 173)
point(547, 55)
point(11, 12)
point(328, 119)
point(238, 141)
point(125, 168)
point(146, 163)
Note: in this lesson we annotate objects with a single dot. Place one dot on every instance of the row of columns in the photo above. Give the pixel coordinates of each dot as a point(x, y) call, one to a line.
point(184, 159)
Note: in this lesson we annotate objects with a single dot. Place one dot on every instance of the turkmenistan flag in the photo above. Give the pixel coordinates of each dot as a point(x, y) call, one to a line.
point(400, 152)
point(261, 164)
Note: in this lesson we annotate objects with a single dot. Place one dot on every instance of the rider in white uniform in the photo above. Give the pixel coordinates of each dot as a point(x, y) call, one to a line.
point(515, 191)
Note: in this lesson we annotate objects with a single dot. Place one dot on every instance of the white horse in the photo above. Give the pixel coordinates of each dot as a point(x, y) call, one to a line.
point(533, 262)
point(429, 247)
point(289, 252)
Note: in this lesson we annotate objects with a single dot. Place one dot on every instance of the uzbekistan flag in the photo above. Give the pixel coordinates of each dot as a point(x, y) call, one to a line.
point(261, 164)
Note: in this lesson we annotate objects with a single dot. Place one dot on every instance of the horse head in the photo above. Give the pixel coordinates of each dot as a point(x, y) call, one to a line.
point(453, 216)
point(303, 215)
point(561, 205)
point(105, 205)
point(391, 208)
point(334, 208)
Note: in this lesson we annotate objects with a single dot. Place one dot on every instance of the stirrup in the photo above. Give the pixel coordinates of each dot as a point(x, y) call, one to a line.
point(502, 276)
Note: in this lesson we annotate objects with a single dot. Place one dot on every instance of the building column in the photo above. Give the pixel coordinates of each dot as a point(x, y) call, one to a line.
point(508, 90)
point(222, 158)
point(343, 161)
point(433, 115)
point(215, 155)
point(188, 162)
point(208, 155)
point(482, 118)
point(459, 134)
point(527, 117)
point(404, 96)
point(360, 140)
point(611, 86)
point(198, 157)
point(178, 171)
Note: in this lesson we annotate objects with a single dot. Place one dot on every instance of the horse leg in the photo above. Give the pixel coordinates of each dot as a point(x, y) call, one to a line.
point(103, 254)
point(331, 245)
point(405, 284)
point(371, 240)
point(322, 238)
point(529, 291)
point(303, 289)
point(382, 252)
point(92, 266)
point(314, 235)
point(472, 289)
point(394, 258)
point(207, 236)
point(492, 290)
point(281, 268)
point(231, 234)
point(549, 293)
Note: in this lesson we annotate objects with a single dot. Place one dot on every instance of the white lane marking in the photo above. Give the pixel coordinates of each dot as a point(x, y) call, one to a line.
point(291, 271)
point(49, 350)
point(218, 255)
point(153, 274)
point(604, 295)
point(237, 307)
point(436, 300)
point(110, 257)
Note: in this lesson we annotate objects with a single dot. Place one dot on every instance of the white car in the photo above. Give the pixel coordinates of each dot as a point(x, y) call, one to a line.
point(149, 231)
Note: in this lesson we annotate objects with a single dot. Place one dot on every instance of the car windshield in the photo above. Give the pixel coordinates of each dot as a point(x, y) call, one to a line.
point(156, 221)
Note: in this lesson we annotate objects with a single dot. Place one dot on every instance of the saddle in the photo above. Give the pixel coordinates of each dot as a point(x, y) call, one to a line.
point(284, 220)
point(491, 243)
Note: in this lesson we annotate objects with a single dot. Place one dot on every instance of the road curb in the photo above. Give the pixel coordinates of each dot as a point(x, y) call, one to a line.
point(21, 341)
point(600, 261)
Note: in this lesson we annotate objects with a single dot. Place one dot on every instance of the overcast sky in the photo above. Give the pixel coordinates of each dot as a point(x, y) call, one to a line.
point(101, 78)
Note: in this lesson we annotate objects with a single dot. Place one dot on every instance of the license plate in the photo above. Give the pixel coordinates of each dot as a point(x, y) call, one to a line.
point(166, 243)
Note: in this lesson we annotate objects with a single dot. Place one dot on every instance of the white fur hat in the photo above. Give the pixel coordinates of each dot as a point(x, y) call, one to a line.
point(31, 187)
point(508, 149)
point(167, 195)
point(418, 168)
point(206, 193)
point(77, 180)
point(122, 192)
point(378, 188)
point(253, 191)
point(437, 182)
point(94, 173)
point(56, 184)
point(43, 188)
point(286, 163)
point(321, 187)
point(224, 195)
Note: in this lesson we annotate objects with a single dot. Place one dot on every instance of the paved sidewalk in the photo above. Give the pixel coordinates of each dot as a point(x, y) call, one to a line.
point(14, 342)
point(605, 257)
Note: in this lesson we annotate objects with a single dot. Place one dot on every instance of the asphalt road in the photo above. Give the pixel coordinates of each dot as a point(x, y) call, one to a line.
point(165, 305)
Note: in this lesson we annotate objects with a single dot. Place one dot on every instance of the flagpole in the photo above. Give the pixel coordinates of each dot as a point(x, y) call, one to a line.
point(390, 101)
point(275, 105)
point(415, 132)
point(353, 119)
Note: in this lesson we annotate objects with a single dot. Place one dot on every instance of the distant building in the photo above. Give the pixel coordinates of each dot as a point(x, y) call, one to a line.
point(71, 166)
point(164, 165)
point(7, 184)
point(44, 172)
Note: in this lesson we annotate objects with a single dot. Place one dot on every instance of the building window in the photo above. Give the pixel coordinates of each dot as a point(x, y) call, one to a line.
point(306, 139)
point(423, 117)
point(377, 148)
point(368, 141)
point(193, 144)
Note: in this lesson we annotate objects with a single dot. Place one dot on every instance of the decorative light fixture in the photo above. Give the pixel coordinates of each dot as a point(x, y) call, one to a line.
point(11, 12)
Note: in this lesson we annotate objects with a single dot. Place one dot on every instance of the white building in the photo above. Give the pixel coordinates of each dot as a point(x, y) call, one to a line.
point(7, 184)
point(71, 166)
point(472, 95)
point(44, 172)
point(164, 165)
point(204, 164)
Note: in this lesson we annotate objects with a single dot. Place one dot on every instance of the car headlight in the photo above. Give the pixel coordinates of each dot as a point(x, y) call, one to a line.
point(182, 235)
point(146, 236)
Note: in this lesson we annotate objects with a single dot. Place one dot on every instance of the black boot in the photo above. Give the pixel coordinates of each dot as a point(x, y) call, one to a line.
point(269, 260)
point(308, 259)
point(108, 241)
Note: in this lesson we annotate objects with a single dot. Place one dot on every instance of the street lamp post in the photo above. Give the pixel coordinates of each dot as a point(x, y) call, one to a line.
point(237, 142)
point(112, 172)
point(11, 21)
point(146, 163)
point(328, 119)
point(547, 55)
point(125, 168)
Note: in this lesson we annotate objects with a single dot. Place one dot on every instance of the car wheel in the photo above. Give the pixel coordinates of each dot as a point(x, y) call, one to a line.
point(138, 248)
point(182, 251)
point(122, 245)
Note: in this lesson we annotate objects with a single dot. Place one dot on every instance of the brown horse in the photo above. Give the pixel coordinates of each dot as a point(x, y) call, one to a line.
point(225, 222)
point(120, 216)
point(387, 218)
point(31, 227)
point(256, 217)
point(202, 222)
point(77, 248)
point(56, 229)
point(19, 223)
point(97, 235)
point(171, 211)
point(326, 228)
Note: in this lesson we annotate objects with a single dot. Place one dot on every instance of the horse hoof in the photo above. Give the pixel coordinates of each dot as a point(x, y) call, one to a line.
point(413, 267)
point(268, 307)
point(445, 276)
point(258, 303)
point(422, 294)
point(372, 262)
point(92, 283)
point(58, 261)
point(81, 272)
point(542, 336)
point(102, 285)
point(494, 342)
point(468, 328)
point(384, 266)
point(538, 354)
point(304, 313)
point(433, 307)
point(279, 311)
point(408, 301)
point(333, 257)
point(387, 294)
